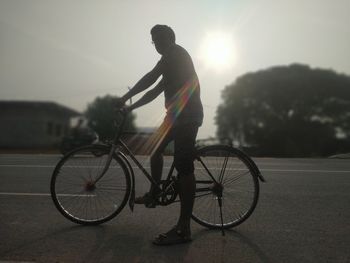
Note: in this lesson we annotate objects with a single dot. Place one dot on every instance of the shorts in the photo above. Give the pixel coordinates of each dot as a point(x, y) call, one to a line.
point(184, 137)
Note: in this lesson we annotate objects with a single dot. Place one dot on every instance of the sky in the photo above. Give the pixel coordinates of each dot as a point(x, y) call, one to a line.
point(73, 51)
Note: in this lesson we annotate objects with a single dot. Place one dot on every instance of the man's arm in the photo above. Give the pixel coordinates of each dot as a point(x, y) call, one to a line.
point(149, 96)
point(144, 83)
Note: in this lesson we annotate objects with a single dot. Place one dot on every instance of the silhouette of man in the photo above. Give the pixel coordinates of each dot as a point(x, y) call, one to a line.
point(184, 114)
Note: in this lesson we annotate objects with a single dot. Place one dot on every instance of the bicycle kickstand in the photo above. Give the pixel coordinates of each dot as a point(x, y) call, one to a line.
point(222, 220)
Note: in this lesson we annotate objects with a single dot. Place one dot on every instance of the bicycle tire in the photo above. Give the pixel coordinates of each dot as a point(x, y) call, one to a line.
point(240, 191)
point(76, 199)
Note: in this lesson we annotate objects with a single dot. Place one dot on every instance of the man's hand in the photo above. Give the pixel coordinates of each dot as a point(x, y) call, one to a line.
point(126, 109)
point(123, 110)
point(120, 102)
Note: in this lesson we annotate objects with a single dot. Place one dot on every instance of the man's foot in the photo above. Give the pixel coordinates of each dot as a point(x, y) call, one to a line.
point(173, 237)
point(147, 200)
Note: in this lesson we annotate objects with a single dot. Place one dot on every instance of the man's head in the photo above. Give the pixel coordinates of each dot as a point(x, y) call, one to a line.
point(163, 37)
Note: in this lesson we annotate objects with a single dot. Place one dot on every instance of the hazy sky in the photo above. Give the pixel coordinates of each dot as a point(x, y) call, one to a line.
point(72, 51)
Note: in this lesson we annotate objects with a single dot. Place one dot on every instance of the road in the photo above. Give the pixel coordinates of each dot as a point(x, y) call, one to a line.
point(303, 215)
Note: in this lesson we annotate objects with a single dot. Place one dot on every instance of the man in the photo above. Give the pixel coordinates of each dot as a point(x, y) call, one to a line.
point(184, 115)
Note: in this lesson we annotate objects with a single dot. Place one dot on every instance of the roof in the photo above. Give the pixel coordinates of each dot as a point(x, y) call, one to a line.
point(37, 105)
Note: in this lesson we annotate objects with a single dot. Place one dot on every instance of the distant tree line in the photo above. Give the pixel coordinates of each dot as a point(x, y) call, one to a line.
point(293, 111)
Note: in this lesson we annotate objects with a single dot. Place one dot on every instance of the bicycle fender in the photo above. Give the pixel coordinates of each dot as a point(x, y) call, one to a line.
point(131, 172)
point(255, 167)
point(260, 176)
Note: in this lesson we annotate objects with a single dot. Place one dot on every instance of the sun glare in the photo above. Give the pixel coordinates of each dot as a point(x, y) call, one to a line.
point(218, 51)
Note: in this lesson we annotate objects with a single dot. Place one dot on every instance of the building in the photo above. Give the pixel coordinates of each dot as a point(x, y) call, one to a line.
point(33, 124)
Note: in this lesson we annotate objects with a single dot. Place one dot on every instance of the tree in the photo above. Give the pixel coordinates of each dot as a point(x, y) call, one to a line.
point(288, 111)
point(101, 115)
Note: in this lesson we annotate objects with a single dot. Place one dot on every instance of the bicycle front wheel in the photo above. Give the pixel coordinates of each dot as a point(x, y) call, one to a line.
point(227, 188)
point(76, 195)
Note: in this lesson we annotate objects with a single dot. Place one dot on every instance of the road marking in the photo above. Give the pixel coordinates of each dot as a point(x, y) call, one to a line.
point(44, 194)
point(282, 170)
point(24, 194)
point(147, 167)
point(26, 166)
point(306, 171)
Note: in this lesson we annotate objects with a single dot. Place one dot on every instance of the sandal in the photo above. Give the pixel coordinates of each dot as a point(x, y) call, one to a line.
point(147, 200)
point(172, 237)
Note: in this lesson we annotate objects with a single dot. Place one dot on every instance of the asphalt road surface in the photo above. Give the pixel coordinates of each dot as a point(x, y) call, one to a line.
point(303, 215)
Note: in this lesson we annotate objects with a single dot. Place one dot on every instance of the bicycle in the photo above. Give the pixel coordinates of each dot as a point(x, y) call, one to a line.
point(92, 184)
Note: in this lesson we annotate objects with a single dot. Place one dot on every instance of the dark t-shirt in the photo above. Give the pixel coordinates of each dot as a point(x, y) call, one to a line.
point(182, 89)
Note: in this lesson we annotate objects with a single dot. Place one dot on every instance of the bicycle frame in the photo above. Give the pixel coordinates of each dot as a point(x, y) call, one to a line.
point(117, 142)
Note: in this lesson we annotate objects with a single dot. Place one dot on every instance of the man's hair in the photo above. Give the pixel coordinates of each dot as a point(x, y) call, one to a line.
point(163, 32)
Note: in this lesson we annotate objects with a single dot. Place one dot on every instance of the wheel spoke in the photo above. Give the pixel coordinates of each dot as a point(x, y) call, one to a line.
point(222, 172)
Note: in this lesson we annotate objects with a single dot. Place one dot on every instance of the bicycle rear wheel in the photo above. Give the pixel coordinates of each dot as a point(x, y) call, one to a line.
point(227, 188)
point(77, 197)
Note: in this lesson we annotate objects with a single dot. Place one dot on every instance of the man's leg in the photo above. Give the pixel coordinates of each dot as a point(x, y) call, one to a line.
point(165, 135)
point(148, 199)
point(156, 169)
point(185, 140)
point(187, 188)
point(157, 156)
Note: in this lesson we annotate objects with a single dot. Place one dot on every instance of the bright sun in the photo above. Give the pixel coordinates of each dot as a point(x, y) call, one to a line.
point(218, 51)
